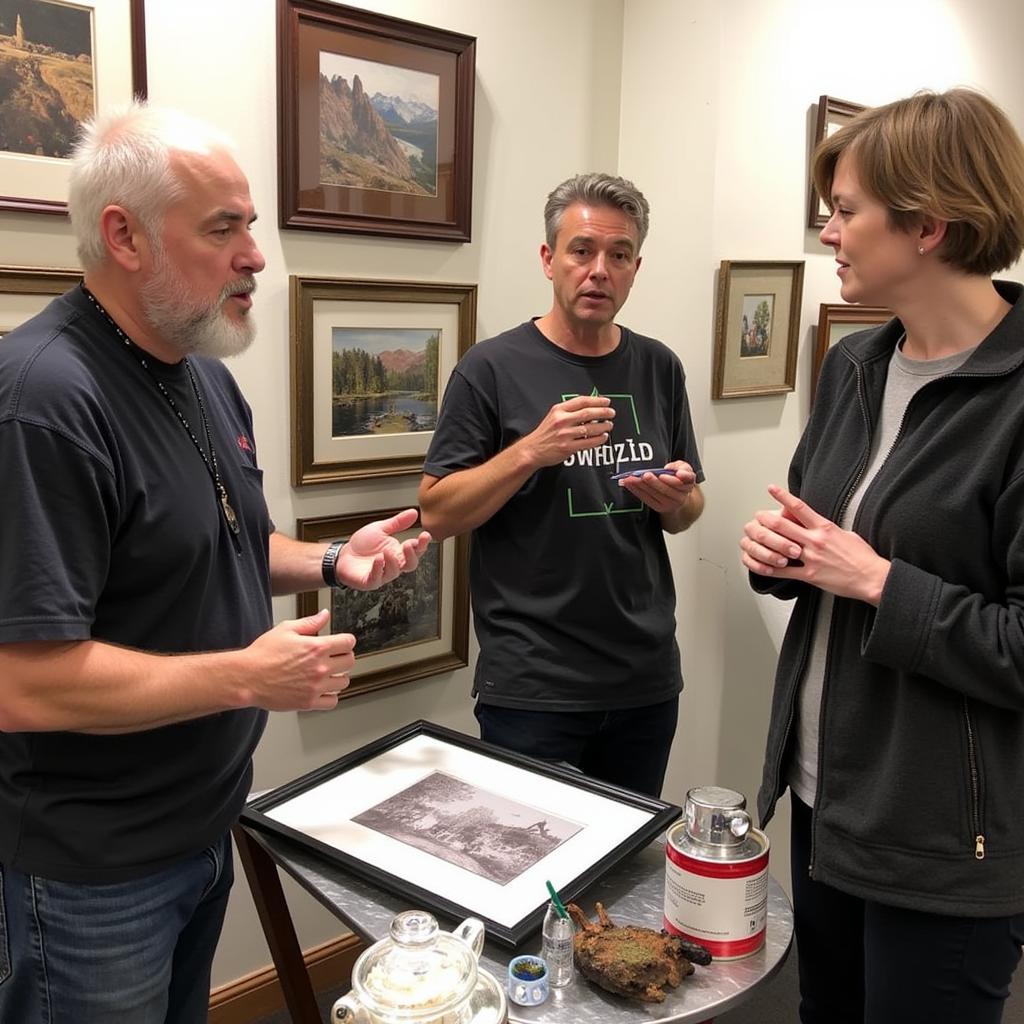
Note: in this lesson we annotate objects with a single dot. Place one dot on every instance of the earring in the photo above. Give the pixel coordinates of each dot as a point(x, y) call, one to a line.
point(920, 250)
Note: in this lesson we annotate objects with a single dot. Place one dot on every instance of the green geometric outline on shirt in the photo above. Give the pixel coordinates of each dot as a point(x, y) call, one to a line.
point(606, 394)
point(609, 508)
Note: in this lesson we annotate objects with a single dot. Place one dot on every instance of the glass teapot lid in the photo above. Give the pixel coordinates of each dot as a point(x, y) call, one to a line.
point(420, 971)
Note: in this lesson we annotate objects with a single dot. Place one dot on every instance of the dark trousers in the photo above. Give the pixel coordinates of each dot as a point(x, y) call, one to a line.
point(628, 747)
point(863, 962)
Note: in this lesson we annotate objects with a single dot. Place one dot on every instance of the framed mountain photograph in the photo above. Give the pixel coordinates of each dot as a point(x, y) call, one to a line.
point(375, 123)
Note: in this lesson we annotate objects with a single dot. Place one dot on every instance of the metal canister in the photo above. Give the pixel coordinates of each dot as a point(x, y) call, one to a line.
point(716, 875)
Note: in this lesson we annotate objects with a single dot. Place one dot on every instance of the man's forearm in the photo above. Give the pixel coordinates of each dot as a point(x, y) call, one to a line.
point(295, 565)
point(683, 517)
point(466, 499)
point(90, 686)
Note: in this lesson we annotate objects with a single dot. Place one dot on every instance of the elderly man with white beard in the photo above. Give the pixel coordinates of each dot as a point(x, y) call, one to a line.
point(138, 655)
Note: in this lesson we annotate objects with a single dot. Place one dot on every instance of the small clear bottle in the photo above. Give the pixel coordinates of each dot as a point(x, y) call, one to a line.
point(556, 946)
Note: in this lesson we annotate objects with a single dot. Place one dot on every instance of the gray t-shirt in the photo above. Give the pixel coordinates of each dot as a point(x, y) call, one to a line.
point(905, 378)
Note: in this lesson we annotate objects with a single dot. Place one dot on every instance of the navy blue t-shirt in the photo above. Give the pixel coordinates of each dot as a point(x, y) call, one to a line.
point(111, 531)
point(573, 599)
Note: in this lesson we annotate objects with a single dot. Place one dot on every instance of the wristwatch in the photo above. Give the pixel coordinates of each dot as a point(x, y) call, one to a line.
point(327, 566)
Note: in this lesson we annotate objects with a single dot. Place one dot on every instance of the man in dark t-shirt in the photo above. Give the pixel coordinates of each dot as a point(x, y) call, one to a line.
point(138, 657)
point(565, 445)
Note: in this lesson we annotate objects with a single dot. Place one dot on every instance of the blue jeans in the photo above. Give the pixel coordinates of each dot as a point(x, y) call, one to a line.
point(862, 962)
point(134, 952)
point(628, 747)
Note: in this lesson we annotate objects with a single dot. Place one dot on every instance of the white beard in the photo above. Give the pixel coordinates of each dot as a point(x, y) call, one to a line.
point(192, 327)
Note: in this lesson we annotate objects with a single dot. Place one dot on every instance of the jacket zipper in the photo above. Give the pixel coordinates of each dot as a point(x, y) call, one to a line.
point(979, 837)
point(972, 766)
point(840, 512)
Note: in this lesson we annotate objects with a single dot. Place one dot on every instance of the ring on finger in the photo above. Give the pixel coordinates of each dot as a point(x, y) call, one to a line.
point(584, 433)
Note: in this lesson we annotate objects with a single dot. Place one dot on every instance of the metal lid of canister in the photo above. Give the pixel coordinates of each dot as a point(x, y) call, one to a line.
point(716, 817)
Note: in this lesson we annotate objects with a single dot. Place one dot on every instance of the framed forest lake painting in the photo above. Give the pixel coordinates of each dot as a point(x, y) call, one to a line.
point(370, 360)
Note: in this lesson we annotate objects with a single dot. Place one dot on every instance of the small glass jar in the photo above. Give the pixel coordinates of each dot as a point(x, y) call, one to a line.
point(557, 946)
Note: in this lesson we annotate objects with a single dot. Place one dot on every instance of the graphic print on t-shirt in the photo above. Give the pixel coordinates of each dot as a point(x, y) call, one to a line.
point(591, 491)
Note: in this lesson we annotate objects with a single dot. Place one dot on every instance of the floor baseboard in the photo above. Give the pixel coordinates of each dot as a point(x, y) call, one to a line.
point(259, 994)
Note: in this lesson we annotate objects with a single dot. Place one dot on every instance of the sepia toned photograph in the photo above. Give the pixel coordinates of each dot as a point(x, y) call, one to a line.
point(378, 126)
point(756, 325)
point(482, 832)
point(384, 380)
point(460, 827)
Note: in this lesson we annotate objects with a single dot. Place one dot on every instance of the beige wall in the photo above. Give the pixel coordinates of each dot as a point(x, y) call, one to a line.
point(705, 104)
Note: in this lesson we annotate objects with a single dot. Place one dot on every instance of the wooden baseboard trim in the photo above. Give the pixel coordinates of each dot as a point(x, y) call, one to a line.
point(259, 994)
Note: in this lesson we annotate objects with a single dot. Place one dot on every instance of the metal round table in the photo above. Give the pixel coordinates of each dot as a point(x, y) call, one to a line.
point(632, 893)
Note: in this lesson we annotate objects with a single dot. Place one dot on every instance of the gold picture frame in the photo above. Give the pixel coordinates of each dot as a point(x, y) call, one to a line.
point(756, 325)
point(359, 410)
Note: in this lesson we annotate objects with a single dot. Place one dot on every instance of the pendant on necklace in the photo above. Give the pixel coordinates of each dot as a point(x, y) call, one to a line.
point(229, 513)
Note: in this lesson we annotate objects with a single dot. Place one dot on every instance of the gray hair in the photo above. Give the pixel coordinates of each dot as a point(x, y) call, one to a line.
point(596, 189)
point(123, 158)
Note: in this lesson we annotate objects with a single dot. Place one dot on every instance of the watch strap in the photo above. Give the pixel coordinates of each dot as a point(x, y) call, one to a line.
point(329, 563)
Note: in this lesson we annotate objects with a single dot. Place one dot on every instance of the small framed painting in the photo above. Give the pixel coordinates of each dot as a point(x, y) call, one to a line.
point(60, 64)
point(756, 325)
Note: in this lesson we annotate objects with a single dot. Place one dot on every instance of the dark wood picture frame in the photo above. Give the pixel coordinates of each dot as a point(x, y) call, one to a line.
point(614, 822)
point(319, 457)
point(739, 372)
point(38, 282)
point(447, 651)
point(308, 29)
point(136, 14)
point(847, 318)
point(832, 113)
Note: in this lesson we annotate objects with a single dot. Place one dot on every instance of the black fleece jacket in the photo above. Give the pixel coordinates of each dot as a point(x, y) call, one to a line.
point(920, 800)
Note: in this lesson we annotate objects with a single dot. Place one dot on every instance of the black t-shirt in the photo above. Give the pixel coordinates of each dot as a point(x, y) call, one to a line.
point(572, 591)
point(112, 531)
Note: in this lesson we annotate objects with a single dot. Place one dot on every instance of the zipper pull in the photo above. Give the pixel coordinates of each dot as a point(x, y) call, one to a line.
point(979, 847)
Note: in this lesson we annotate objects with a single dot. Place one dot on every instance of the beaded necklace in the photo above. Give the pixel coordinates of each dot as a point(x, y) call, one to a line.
point(211, 463)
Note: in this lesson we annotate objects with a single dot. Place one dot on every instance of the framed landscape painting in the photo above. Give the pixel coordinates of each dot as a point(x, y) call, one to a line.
point(415, 626)
point(370, 360)
point(375, 123)
point(60, 64)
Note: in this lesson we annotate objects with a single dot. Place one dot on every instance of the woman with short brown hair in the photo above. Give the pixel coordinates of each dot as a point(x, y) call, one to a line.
point(898, 715)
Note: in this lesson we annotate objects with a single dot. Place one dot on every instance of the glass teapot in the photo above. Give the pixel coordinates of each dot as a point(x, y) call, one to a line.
point(422, 975)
